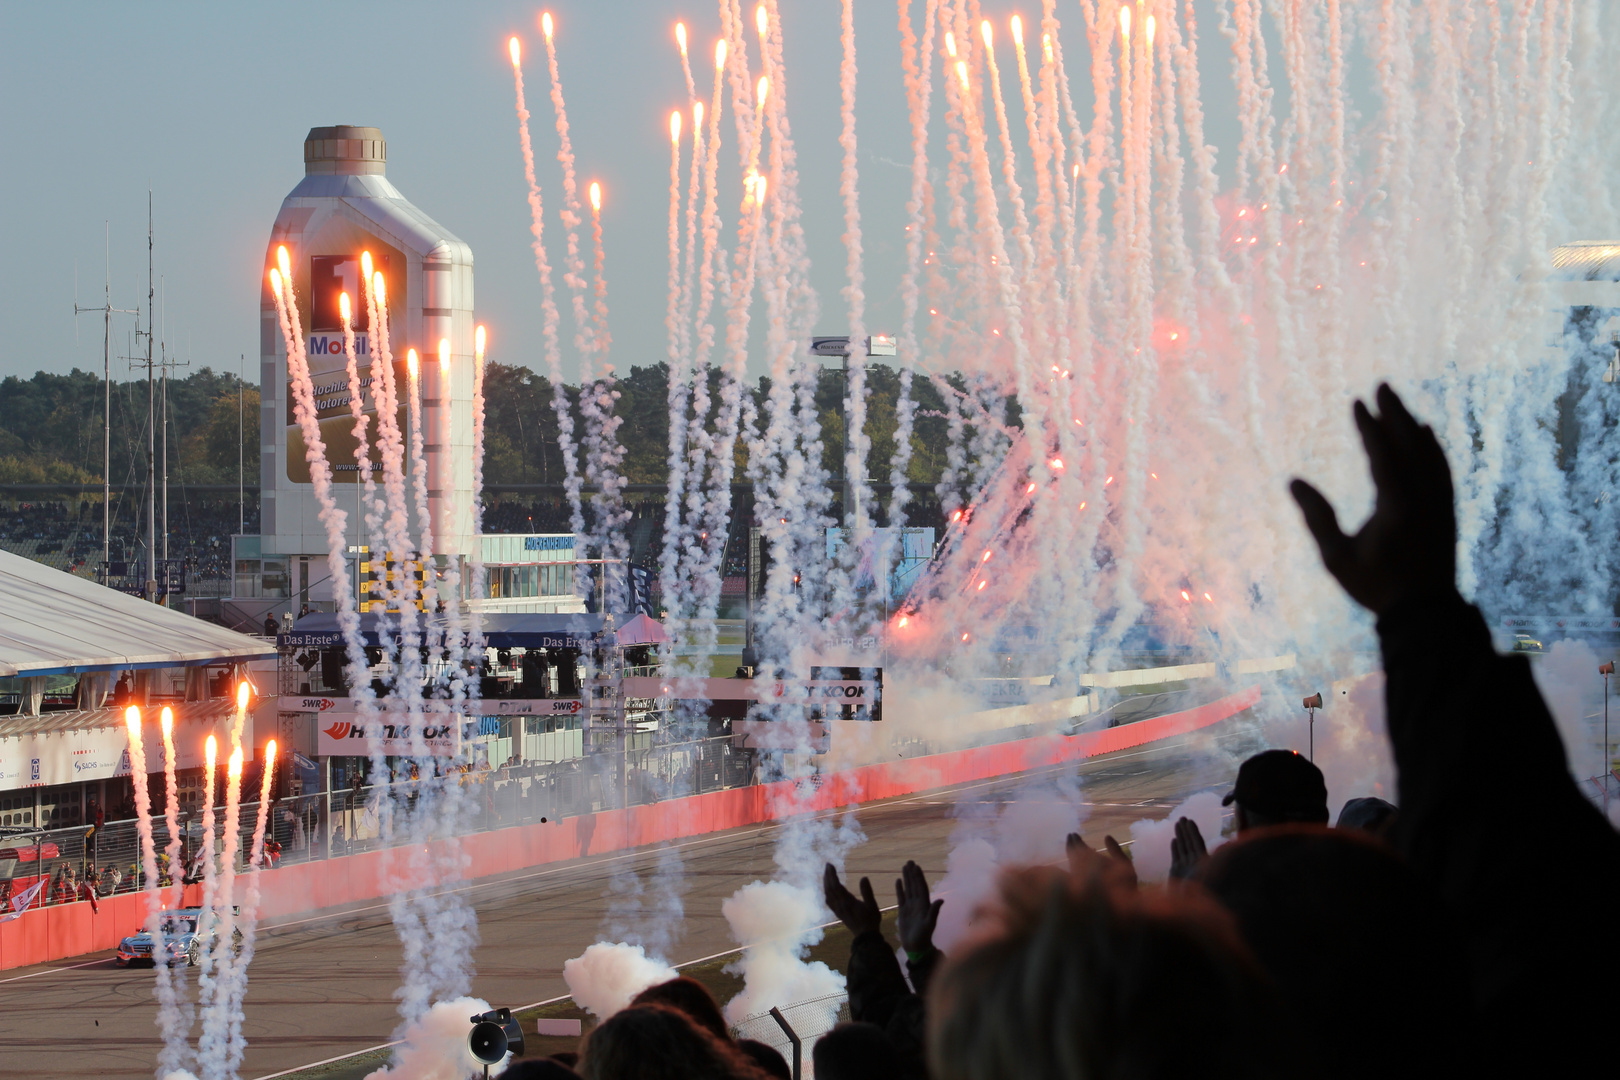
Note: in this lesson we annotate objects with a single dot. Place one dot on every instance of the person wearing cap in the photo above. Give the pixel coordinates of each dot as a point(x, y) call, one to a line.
point(1274, 787)
point(1278, 787)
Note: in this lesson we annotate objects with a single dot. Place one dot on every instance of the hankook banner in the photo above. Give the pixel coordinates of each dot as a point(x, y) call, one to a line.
point(440, 736)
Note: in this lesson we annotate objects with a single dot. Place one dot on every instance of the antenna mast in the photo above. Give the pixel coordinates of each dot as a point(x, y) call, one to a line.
point(107, 312)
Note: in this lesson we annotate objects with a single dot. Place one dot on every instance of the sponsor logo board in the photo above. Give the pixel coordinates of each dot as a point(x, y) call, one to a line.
point(347, 738)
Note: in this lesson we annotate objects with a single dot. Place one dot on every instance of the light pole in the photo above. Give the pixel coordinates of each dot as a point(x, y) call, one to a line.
point(1606, 669)
point(1311, 704)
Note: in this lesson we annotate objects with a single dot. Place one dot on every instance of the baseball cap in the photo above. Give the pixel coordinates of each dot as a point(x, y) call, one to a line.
point(1281, 784)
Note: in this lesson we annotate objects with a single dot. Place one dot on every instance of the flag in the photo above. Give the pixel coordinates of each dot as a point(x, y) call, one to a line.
point(20, 902)
point(87, 892)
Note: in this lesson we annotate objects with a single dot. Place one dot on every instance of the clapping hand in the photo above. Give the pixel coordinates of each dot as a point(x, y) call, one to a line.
point(859, 915)
point(1115, 868)
point(918, 913)
point(1409, 544)
point(1187, 850)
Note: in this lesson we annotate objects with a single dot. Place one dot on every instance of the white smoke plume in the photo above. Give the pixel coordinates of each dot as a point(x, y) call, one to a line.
point(1150, 847)
point(435, 1046)
point(776, 922)
point(648, 910)
point(1569, 682)
point(1030, 829)
point(607, 976)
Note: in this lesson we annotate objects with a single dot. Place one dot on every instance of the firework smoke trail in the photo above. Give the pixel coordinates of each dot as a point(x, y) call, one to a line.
point(573, 264)
point(1015, 192)
point(738, 290)
point(859, 445)
point(574, 275)
point(678, 390)
point(173, 1022)
point(331, 518)
point(994, 241)
point(686, 61)
point(452, 923)
point(206, 979)
point(710, 516)
point(236, 1045)
point(357, 409)
point(169, 1021)
point(548, 307)
point(689, 400)
point(215, 1008)
point(603, 455)
point(1043, 271)
point(414, 900)
point(608, 456)
point(917, 65)
point(394, 530)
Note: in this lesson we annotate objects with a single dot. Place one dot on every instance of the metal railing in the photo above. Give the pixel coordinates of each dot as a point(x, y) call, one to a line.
point(336, 823)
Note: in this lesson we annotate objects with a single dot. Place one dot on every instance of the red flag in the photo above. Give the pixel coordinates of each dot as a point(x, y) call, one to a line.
point(86, 892)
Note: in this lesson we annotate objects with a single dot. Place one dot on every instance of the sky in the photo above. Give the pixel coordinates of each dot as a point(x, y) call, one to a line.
point(207, 105)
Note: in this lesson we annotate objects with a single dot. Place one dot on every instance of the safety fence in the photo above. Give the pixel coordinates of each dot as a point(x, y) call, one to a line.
point(334, 824)
point(308, 880)
point(793, 1030)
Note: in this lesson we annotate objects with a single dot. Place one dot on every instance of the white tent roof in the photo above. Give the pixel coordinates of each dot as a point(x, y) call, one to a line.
point(53, 623)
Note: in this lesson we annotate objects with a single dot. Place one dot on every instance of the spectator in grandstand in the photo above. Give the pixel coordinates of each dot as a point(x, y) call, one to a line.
point(654, 1042)
point(693, 998)
point(766, 1058)
point(1370, 814)
point(1459, 715)
point(1274, 787)
point(690, 997)
point(856, 1051)
point(1277, 787)
point(1082, 977)
point(878, 993)
point(1338, 920)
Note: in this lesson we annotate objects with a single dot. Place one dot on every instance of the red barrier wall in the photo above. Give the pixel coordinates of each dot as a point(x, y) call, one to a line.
point(63, 930)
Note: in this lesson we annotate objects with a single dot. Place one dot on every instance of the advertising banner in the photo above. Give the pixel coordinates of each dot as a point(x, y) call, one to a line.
point(102, 753)
point(440, 736)
point(346, 707)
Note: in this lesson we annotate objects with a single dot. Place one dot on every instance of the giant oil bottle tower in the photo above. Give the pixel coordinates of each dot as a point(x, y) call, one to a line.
point(343, 207)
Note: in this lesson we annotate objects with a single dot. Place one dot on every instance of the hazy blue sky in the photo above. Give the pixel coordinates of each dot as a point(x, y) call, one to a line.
point(208, 104)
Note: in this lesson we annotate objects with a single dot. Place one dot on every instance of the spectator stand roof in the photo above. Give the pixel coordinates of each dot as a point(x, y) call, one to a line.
point(522, 630)
point(53, 623)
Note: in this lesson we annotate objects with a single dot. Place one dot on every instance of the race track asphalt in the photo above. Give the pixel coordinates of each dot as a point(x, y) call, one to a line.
point(322, 986)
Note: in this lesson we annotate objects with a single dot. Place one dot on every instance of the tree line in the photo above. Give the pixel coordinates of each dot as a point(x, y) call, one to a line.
point(53, 426)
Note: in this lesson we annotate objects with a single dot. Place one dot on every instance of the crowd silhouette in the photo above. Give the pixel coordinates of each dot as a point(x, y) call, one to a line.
point(1454, 932)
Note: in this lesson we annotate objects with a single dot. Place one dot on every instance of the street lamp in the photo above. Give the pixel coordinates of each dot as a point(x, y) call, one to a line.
point(1606, 669)
point(1311, 704)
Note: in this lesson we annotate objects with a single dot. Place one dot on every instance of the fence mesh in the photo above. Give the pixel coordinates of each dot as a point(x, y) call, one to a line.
point(810, 1020)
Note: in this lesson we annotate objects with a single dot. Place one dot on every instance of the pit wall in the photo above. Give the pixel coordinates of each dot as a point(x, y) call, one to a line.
point(67, 930)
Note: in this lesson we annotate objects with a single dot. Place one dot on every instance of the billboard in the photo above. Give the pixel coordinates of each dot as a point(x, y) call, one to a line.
point(439, 736)
point(320, 308)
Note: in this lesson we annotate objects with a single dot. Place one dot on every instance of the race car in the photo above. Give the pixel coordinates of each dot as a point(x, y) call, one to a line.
point(181, 942)
point(179, 930)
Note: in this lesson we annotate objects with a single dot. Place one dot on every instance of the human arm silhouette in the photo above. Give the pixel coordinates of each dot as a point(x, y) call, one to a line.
point(1488, 811)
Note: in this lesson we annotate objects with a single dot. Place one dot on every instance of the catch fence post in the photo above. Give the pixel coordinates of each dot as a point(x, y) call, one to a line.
point(793, 1037)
